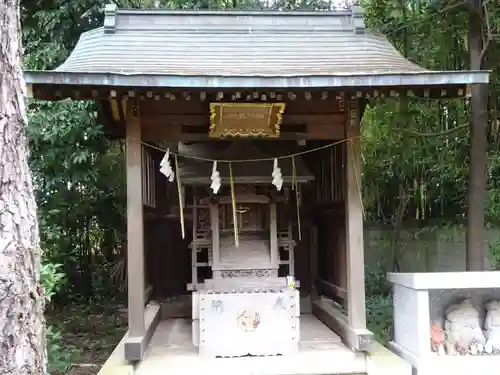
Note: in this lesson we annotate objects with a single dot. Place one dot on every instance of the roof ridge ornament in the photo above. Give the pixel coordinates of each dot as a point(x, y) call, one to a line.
point(357, 20)
point(110, 18)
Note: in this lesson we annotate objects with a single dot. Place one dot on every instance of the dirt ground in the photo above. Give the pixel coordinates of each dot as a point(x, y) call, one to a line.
point(90, 334)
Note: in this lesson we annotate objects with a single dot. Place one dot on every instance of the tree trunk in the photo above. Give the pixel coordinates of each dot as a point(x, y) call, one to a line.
point(22, 334)
point(476, 247)
point(399, 214)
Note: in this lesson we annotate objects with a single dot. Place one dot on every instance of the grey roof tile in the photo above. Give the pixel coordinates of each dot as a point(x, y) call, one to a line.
point(267, 44)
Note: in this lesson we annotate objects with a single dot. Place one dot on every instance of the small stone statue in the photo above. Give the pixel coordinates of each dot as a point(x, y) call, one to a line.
point(488, 347)
point(437, 338)
point(492, 326)
point(462, 329)
point(476, 348)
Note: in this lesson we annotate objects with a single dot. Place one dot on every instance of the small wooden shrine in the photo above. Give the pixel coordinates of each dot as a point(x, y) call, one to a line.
point(243, 236)
point(244, 206)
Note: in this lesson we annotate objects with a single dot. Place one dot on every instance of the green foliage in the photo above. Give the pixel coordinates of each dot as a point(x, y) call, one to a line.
point(494, 255)
point(376, 281)
point(59, 354)
point(379, 317)
point(418, 150)
point(81, 218)
point(52, 280)
point(77, 173)
point(378, 303)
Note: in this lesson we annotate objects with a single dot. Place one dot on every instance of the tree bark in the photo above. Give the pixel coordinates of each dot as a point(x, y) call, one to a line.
point(476, 235)
point(22, 334)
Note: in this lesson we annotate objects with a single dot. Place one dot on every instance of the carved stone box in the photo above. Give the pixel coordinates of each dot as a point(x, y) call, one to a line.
point(447, 322)
point(233, 324)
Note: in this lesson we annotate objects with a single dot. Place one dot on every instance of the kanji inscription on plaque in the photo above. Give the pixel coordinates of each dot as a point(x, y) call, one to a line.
point(246, 119)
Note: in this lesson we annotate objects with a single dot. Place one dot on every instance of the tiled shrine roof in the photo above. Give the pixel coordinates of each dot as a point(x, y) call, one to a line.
point(235, 49)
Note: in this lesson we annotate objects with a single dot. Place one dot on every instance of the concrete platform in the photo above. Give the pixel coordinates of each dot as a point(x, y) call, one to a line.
point(321, 352)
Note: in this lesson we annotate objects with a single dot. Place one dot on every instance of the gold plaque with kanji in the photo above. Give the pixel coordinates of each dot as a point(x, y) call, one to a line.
point(246, 119)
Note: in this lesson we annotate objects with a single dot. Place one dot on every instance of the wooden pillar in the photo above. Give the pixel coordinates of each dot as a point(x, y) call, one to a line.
point(273, 222)
point(313, 260)
point(354, 222)
point(135, 223)
point(214, 223)
point(194, 246)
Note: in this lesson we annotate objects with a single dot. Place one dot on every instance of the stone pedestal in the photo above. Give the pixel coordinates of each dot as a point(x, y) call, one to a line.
point(420, 299)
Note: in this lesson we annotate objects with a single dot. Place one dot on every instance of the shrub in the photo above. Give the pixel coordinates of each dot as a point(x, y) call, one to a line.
point(58, 355)
point(378, 304)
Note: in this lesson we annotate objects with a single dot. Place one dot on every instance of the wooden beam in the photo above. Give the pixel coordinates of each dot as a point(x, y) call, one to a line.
point(135, 223)
point(204, 129)
point(342, 261)
point(313, 260)
point(273, 222)
point(326, 127)
point(299, 105)
point(148, 292)
point(331, 290)
point(172, 126)
point(214, 222)
point(116, 364)
point(135, 346)
point(356, 314)
point(29, 91)
point(298, 98)
point(356, 339)
point(202, 119)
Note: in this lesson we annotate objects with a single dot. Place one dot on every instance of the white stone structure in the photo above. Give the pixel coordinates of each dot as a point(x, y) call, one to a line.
point(421, 299)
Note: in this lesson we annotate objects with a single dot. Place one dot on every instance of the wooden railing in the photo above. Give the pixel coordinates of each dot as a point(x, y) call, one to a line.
point(331, 290)
point(329, 174)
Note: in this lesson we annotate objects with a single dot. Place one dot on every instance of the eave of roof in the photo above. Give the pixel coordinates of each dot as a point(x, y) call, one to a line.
point(355, 80)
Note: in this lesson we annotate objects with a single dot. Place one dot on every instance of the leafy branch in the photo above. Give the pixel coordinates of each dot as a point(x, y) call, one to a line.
point(433, 134)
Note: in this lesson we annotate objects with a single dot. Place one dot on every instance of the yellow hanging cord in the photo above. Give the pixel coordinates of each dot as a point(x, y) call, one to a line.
point(295, 186)
point(297, 195)
point(179, 194)
point(357, 177)
point(233, 202)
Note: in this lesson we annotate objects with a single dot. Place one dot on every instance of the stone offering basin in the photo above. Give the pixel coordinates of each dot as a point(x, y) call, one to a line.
point(421, 300)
